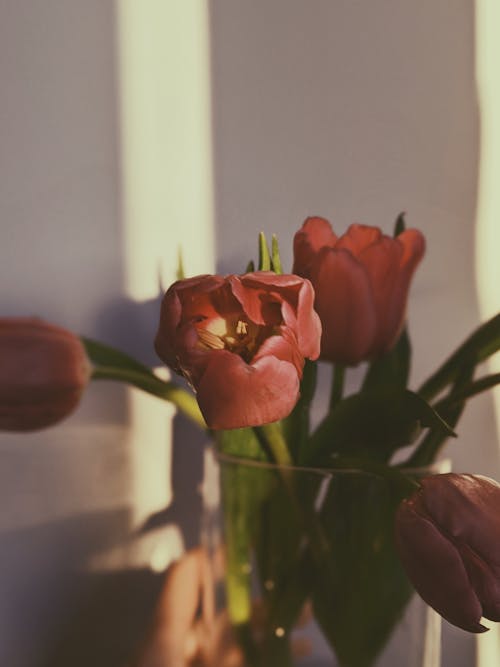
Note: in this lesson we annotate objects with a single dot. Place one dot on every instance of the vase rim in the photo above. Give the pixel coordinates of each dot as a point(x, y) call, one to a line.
point(441, 466)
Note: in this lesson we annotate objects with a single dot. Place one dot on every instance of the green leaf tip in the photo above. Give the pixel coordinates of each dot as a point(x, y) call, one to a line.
point(275, 255)
point(264, 256)
point(400, 224)
point(374, 425)
point(180, 273)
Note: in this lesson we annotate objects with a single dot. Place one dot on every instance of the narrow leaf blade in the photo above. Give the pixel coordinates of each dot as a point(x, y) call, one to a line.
point(264, 256)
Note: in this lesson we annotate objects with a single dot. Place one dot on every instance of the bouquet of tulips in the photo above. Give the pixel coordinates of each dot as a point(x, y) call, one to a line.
point(248, 346)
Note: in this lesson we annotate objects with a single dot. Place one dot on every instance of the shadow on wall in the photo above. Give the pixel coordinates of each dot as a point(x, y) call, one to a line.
point(91, 618)
point(110, 619)
point(54, 612)
point(131, 326)
point(187, 474)
point(39, 596)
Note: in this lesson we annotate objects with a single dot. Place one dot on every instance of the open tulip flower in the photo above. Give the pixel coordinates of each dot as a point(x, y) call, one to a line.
point(448, 538)
point(361, 281)
point(43, 372)
point(241, 341)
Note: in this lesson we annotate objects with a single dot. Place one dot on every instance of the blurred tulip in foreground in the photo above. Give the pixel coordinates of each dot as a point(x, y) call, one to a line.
point(448, 538)
point(241, 341)
point(43, 372)
point(361, 281)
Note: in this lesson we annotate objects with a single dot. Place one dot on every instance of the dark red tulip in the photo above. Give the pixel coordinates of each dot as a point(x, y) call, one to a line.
point(361, 281)
point(241, 341)
point(448, 538)
point(43, 372)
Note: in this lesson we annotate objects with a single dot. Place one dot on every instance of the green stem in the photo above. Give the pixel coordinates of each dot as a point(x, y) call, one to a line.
point(337, 385)
point(151, 384)
point(279, 449)
point(450, 408)
point(478, 347)
point(405, 484)
point(273, 436)
point(474, 388)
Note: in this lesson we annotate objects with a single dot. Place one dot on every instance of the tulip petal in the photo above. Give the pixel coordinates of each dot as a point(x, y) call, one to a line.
point(413, 242)
point(382, 261)
point(283, 347)
point(178, 304)
point(469, 507)
point(233, 394)
point(358, 238)
point(170, 316)
point(260, 279)
point(315, 233)
point(43, 372)
point(268, 298)
point(435, 568)
point(319, 232)
point(258, 292)
point(305, 321)
point(344, 303)
point(485, 580)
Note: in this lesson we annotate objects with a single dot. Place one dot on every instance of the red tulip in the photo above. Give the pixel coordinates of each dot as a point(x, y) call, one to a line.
point(43, 372)
point(361, 281)
point(241, 342)
point(448, 538)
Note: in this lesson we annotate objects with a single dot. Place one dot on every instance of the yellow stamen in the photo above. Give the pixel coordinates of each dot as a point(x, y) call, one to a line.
point(242, 328)
point(210, 340)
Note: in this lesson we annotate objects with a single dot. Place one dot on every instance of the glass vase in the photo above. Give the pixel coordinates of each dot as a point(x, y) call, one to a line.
point(307, 570)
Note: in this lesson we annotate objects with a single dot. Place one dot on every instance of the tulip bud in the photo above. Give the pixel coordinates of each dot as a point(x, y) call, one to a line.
point(43, 372)
point(448, 539)
point(361, 281)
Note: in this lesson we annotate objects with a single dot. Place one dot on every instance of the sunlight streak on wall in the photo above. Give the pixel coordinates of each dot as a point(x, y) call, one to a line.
point(488, 212)
point(167, 189)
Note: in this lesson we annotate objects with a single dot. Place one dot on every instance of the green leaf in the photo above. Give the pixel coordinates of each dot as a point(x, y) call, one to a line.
point(392, 370)
point(264, 257)
point(111, 364)
point(400, 224)
point(484, 342)
point(104, 355)
point(451, 408)
point(273, 441)
point(250, 267)
point(275, 256)
point(469, 390)
point(180, 274)
point(242, 443)
point(296, 425)
point(367, 588)
point(337, 388)
point(373, 425)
